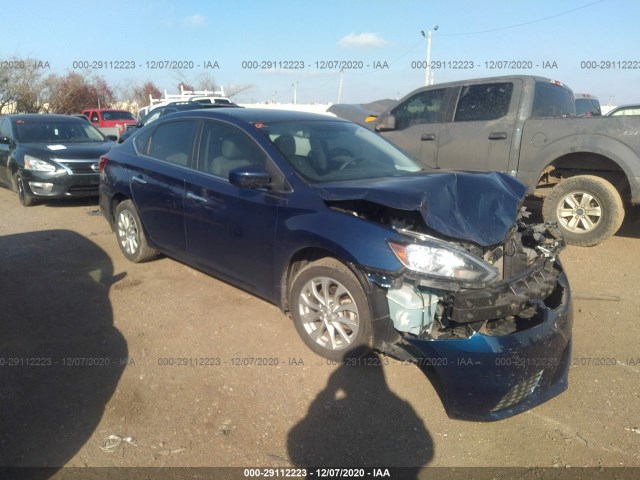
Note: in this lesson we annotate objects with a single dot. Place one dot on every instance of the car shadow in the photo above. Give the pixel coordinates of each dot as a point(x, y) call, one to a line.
point(357, 421)
point(70, 202)
point(60, 355)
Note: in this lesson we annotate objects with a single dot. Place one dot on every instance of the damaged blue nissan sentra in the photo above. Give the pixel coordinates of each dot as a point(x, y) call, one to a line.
point(360, 245)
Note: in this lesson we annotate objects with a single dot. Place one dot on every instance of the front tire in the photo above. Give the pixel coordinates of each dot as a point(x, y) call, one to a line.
point(22, 189)
point(130, 234)
point(587, 209)
point(330, 310)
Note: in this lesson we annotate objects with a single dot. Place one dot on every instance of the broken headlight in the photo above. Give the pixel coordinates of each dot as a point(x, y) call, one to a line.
point(443, 261)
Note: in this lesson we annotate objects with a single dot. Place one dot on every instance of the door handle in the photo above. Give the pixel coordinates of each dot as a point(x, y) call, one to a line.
point(428, 137)
point(196, 198)
point(498, 136)
point(139, 180)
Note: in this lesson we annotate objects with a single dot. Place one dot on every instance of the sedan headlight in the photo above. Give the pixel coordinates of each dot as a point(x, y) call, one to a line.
point(443, 261)
point(37, 165)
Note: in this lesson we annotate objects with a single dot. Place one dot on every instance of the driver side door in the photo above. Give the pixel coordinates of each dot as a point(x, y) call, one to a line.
point(418, 122)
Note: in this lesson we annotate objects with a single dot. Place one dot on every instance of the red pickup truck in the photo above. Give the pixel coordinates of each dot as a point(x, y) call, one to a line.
point(109, 121)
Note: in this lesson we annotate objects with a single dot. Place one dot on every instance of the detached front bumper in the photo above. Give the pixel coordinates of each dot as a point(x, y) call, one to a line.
point(493, 375)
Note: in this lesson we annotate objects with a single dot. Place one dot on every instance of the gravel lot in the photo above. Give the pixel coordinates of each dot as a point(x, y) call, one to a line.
point(199, 373)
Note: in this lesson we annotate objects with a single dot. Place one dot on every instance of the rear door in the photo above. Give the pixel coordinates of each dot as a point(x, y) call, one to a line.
point(230, 229)
point(480, 136)
point(157, 185)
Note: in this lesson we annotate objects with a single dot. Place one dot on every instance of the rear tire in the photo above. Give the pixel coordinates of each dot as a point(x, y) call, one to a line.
point(330, 310)
point(587, 209)
point(130, 234)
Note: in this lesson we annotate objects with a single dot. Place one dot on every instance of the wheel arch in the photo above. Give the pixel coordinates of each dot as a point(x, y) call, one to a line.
point(589, 163)
point(383, 331)
point(303, 257)
point(116, 199)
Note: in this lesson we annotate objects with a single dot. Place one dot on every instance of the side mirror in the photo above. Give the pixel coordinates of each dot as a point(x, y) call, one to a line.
point(386, 123)
point(249, 177)
point(5, 141)
point(113, 138)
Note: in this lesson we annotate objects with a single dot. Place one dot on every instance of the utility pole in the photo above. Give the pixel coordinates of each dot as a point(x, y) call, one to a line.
point(428, 67)
point(295, 92)
point(340, 87)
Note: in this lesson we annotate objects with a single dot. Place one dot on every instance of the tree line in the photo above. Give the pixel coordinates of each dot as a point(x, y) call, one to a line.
point(26, 87)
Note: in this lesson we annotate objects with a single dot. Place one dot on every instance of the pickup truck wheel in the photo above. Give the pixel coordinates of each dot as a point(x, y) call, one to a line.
point(587, 209)
point(331, 311)
point(130, 234)
point(22, 189)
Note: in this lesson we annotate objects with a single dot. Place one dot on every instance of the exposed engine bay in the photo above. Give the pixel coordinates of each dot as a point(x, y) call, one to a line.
point(521, 279)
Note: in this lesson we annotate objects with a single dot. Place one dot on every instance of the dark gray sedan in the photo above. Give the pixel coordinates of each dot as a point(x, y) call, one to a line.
point(50, 156)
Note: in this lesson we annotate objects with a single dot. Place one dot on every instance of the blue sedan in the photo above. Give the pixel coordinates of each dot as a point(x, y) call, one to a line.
point(358, 244)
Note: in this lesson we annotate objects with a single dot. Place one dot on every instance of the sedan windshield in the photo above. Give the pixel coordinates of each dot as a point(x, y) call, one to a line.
point(40, 131)
point(328, 151)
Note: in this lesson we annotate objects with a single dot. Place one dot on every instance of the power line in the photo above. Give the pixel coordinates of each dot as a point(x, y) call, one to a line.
point(521, 24)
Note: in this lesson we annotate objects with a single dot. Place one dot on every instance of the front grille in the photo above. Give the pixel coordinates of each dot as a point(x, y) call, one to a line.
point(83, 189)
point(519, 392)
point(80, 167)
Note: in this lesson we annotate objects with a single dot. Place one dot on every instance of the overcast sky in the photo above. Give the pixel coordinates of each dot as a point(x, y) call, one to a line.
point(593, 46)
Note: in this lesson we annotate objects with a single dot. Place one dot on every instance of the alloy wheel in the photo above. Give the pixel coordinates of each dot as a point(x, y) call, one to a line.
point(579, 212)
point(328, 313)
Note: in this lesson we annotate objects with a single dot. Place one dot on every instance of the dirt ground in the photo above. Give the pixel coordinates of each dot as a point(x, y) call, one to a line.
point(194, 372)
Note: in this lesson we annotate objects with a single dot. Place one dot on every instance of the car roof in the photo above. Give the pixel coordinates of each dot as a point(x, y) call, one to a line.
point(629, 105)
point(254, 115)
point(106, 110)
point(42, 117)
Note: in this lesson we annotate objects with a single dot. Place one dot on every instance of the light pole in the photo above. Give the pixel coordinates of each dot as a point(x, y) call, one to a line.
point(428, 68)
point(295, 92)
point(340, 87)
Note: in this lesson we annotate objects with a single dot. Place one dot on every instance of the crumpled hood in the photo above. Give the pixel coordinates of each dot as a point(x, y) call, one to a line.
point(478, 207)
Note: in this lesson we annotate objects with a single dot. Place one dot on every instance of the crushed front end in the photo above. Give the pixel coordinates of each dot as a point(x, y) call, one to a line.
point(492, 324)
point(466, 287)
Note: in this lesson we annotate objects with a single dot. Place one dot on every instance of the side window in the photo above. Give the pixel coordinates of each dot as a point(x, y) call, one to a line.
point(223, 148)
point(624, 111)
point(173, 142)
point(5, 128)
point(424, 107)
point(483, 102)
point(141, 141)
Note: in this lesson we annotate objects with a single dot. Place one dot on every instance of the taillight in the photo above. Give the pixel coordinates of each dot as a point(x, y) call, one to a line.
point(102, 162)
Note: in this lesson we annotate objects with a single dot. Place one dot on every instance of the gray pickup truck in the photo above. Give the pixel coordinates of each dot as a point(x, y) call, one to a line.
point(586, 168)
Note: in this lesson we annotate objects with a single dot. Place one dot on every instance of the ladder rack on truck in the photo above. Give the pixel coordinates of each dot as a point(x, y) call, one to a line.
point(203, 96)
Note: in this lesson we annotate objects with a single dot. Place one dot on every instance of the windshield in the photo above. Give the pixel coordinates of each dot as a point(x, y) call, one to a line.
point(117, 115)
point(41, 131)
point(588, 107)
point(328, 151)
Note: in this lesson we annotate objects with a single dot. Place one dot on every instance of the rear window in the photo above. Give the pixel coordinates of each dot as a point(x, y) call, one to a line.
point(552, 100)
